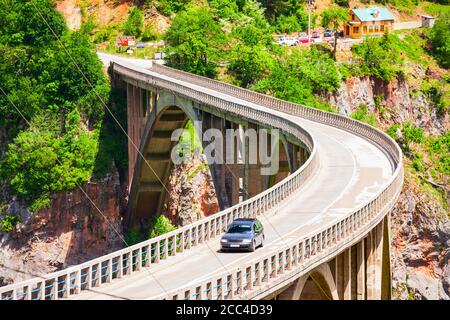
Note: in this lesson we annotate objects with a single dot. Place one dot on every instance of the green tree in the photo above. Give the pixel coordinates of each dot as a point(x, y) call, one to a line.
point(380, 57)
point(56, 82)
point(134, 24)
point(193, 40)
point(440, 40)
point(168, 7)
point(334, 18)
point(29, 22)
point(225, 9)
point(251, 27)
point(301, 76)
point(411, 133)
point(250, 64)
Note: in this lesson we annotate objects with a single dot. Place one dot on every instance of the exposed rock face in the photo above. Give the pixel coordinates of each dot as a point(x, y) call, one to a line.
point(191, 193)
point(71, 231)
point(399, 102)
point(71, 12)
point(421, 247)
point(420, 225)
point(352, 93)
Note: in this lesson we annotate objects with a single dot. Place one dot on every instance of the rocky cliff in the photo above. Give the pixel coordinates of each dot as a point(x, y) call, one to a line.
point(72, 230)
point(420, 231)
point(191, 193)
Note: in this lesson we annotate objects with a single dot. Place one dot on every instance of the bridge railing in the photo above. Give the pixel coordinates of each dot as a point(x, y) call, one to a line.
point(118, 264)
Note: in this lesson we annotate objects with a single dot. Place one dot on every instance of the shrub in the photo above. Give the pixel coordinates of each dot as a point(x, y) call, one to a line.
point(159, 225)
point(362, 114)
point(411, 133)
point(392, 131)
point(8, 223)
point(440, 40)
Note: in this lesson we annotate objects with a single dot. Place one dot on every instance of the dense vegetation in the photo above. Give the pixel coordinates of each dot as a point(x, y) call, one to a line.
point(51, 104)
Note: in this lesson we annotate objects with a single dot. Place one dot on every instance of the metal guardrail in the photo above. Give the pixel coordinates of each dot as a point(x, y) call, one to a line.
point(294, 259)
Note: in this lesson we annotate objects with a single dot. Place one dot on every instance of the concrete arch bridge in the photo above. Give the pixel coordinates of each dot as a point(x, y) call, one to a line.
point(326, 212)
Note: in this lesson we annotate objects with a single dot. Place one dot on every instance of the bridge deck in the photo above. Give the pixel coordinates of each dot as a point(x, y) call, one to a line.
point(351, 171)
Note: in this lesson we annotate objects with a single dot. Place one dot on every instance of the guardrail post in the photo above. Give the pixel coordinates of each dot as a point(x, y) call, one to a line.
point(120, 266)
point(207, 230)
point(129, 263)
point(54, 289)
point(77, 287)
point(294, 255)
point(41, 291)
point(139, 259)
point(88, 278)
point(195, 235)
point(165, 252)
point(288, 259)
point(182, 241)
point(66, 286)
point(157, 250)
point(301, 252)
point(109, 271)
point(148, 256)
point(173, 245)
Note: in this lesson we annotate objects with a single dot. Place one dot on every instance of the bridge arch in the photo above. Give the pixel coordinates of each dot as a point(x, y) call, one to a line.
point(317, 284)
point(152, 167)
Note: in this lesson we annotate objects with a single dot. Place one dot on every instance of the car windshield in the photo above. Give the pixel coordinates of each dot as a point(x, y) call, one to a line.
point(240, 228)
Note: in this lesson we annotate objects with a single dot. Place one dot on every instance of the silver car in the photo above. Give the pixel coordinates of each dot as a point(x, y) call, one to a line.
point(243, 234)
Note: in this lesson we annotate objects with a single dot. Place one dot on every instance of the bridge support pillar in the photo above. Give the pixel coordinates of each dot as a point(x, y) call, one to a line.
point(347, 273)
point(134, 116)
point(374, 247)
point(386, 263)
point(255, 183)
point(361, 271)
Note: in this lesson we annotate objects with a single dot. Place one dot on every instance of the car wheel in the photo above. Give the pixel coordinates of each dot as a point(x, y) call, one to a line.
point(253, 246)
point(262, 242)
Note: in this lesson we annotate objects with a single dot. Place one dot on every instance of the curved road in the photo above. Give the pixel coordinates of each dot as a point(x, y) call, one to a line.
point(351, 171)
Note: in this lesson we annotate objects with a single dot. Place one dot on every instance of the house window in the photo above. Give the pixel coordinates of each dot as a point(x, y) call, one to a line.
point(370, 29)
point(382, 28)
point(377, 28)
point(355, 29)
point(365, 29)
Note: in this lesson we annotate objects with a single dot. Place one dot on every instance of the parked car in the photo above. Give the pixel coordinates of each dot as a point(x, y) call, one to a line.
point(286, 41)
point(247, 234)
point(315, 34)
point(303, 39)
point(303, 35)
point(328, 33)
